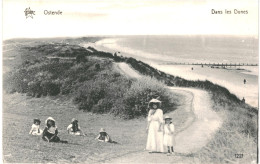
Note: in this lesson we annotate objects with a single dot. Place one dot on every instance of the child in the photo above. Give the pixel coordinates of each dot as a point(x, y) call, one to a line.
point(168, 138)
point(50, 132)
point(74, 128)
point(103, 136)
point(35, 130)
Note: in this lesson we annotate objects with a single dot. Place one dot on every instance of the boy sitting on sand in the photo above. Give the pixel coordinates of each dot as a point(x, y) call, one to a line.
point(35, 130)
point(74, 128)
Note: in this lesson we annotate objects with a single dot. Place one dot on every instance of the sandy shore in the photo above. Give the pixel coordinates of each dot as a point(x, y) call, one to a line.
point(228, 78)
point(233, 80)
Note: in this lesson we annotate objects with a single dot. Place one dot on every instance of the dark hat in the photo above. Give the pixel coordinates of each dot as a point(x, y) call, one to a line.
point(74, 120)
point(167, 117)
point(36, 120)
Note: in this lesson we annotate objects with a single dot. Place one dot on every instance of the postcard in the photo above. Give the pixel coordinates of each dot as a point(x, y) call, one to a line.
point(130, 81)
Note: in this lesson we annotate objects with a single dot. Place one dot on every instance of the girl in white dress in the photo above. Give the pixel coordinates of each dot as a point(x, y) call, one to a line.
point(155, 127)
point(168, 138)
point(35, 130)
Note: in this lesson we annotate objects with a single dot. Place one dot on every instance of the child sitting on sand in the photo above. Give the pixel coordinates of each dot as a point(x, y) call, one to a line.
point(168, 138)
point(103, 136)
point(50, 132)
point(74, 128)
point(35, 130)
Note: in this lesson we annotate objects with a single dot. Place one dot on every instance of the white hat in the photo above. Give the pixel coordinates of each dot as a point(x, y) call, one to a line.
point(102, 130)
point(49, 118)
point(155, 101)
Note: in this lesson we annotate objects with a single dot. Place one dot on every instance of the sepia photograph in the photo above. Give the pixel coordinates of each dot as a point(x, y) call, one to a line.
point(130, 81)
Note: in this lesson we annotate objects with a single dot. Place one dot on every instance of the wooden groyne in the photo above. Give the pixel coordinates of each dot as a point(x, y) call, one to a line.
point(213, 64)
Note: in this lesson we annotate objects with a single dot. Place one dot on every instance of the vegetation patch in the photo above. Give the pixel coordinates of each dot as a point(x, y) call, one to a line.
point(91, 82)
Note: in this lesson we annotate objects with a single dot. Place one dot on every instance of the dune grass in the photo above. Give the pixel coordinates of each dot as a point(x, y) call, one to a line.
point(19, 146)
point(238, 135)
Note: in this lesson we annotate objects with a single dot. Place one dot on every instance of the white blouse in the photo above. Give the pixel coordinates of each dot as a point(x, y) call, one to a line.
point(168, 129)
point(157, 116)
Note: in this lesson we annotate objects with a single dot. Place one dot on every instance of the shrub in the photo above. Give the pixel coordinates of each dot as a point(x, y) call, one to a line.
point(97, 66)
point(50, 88)
point(141, 92)
point(35, 89)
point(80, 58)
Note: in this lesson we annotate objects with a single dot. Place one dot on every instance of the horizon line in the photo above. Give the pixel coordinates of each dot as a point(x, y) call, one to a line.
point(120, 35)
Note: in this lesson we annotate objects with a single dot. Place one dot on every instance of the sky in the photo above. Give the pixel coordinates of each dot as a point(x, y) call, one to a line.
point(128, 17)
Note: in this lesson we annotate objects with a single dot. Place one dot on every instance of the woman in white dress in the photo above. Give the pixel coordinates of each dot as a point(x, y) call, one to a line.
point(155, 127)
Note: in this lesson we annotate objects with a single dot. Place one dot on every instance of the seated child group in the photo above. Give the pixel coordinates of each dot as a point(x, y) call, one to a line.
point(50, 132)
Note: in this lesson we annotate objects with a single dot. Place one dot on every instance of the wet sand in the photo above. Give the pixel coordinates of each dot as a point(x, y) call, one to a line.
point(233, 80)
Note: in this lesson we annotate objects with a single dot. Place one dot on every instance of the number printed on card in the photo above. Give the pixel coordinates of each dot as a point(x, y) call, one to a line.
point(239, 155)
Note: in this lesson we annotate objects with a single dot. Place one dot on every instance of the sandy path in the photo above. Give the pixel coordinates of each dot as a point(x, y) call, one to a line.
point(189, 140)
point(126, 70)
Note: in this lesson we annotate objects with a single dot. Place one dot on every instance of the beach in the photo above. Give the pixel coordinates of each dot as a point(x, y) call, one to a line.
point(231, 78)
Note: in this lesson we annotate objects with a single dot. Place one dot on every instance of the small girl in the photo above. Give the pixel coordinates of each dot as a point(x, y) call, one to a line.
point(35, 130)
point(103, 136)
point(50, 132)
point(168, 138)
point(74, 128)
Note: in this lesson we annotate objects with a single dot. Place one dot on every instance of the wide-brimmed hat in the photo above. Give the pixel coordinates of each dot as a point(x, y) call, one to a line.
point(167, 117)
point(74, 120)
point(102, 130)
point(154, 101)
point(49, 118)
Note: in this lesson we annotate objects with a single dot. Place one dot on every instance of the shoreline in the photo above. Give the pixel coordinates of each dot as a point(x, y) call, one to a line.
point(228, 78)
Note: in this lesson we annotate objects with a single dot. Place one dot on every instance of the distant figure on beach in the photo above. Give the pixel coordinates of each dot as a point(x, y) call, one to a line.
point(50, 133)
point(243, 100)
point(103, 136)
point(35, 130)
point(155, 127)
point(168, 138)
point(74, 128)
point(244, 81)
point(191, 68)
point(202, 65)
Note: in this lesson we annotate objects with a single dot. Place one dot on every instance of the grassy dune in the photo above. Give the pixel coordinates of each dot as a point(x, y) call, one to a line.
point(75, 83)
point(90, 81)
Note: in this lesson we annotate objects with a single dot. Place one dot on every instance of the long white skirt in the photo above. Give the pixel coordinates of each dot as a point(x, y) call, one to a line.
point(155, 138)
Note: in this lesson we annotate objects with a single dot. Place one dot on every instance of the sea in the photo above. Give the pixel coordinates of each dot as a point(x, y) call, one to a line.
point(167, 52)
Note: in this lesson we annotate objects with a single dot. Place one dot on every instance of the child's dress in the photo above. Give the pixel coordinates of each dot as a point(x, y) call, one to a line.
point(168, 138)
point(36, 130)
point(75, 131)
point(50, 133)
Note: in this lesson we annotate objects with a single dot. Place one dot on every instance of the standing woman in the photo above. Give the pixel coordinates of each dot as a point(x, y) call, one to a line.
point(155, 127)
